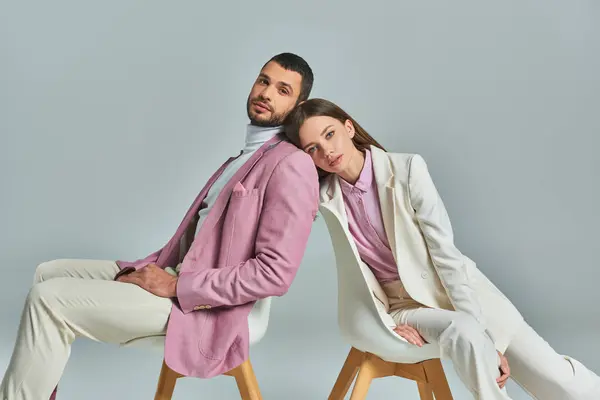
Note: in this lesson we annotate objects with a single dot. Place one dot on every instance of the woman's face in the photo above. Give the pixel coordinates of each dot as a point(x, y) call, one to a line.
point(328, 142)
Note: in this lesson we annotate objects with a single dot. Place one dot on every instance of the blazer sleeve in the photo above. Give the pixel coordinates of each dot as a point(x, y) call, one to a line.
point(289, 208)
point(435, 225)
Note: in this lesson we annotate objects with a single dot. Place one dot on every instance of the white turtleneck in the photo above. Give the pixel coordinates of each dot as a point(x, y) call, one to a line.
point(256, 136)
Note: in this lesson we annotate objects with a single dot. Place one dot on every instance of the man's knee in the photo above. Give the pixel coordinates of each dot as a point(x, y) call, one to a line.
point(47, 270)
point(44, 292)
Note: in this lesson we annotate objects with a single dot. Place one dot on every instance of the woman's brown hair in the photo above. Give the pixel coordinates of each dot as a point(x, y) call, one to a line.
point(319, 108)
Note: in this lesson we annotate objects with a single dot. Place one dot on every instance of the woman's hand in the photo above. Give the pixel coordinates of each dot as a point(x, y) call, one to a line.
point(504, 371)
point(411, 334)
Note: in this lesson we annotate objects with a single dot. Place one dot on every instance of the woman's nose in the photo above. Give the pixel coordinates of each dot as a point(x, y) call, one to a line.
point(327, 151)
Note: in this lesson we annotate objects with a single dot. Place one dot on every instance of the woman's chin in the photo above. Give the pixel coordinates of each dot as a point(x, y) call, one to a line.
point(328, 169)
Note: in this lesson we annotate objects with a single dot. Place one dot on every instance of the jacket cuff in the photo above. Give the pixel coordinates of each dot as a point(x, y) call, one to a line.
point(185, 294)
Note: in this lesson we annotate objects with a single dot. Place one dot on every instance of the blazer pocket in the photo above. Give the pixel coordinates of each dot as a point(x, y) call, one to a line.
point(212, 344)
point(240, 191)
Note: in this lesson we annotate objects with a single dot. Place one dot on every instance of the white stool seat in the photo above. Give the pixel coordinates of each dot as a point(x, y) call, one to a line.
point(258, 321)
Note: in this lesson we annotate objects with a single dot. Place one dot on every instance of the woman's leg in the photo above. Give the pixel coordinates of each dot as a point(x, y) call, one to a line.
point(465, 342)
point(545, 374)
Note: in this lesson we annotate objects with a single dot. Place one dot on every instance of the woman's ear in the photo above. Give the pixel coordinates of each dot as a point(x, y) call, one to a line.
point(349, 128)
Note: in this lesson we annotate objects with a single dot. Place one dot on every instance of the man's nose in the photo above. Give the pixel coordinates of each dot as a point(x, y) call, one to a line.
point(267, 93)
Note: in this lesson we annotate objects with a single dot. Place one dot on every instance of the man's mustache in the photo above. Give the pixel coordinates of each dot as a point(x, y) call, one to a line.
point(263, 103)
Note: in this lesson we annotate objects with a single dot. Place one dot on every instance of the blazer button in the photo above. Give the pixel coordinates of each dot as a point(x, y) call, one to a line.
point(424, 275)
point(197, 308)
point(207, 306)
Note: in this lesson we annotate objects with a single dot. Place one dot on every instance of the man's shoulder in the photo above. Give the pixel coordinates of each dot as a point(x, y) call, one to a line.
point(285, 152)
point(290, 164)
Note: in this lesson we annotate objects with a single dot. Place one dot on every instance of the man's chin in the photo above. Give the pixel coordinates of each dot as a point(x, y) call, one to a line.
point(265, 123)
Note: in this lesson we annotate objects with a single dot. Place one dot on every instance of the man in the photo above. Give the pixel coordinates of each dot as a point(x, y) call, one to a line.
point(241, 240)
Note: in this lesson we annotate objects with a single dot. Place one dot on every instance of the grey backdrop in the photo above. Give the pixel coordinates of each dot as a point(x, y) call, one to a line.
point(113, 115)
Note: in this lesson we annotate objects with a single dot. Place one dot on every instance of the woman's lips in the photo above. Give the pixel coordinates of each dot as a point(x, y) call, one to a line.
point(336, 161)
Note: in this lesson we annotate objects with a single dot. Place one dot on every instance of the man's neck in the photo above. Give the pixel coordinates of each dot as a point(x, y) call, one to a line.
point(256, 136)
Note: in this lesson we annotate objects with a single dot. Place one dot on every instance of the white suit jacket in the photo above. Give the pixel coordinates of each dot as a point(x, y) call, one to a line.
point(433, 271)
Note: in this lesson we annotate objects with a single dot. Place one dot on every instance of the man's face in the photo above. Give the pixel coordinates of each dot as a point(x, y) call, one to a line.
point(273, 95)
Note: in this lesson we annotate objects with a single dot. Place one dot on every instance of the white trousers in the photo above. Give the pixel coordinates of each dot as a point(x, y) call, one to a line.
point(70, 299)
point(78, 298)
point(534, 365)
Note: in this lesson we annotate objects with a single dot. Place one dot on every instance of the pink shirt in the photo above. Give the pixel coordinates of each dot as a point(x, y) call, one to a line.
point(366, 224)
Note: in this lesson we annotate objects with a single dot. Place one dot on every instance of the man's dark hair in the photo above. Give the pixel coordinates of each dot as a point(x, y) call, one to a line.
point(293, 62)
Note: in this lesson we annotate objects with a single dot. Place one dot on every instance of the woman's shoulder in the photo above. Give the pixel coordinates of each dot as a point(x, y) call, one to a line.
point(395, 156)
point(399, 162)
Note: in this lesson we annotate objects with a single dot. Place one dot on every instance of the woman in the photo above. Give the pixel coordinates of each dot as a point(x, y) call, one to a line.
point(435, 294)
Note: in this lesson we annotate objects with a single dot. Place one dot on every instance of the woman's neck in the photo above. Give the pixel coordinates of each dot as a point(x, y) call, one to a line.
point(355, 166)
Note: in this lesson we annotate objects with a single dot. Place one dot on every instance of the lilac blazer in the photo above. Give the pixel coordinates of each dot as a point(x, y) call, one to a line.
point(248, 248)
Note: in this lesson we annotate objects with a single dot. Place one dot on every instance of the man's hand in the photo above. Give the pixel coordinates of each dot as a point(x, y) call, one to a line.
point(153, 279)
point(504, 370)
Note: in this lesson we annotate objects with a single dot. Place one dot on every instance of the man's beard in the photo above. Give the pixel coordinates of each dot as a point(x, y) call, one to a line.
point(275, 120)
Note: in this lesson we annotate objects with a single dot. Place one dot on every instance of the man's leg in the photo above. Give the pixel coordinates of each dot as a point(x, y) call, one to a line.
point(58, 309)
point(545, 374)
point(76, 268)
point(464, 341)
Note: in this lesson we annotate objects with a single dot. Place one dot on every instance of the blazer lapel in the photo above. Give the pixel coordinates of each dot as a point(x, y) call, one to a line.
point(332, 199)
point(165, 254)
point(384, 177)
point(223, 197)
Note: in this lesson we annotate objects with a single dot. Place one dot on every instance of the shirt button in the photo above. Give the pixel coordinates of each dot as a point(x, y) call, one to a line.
point(424, 275)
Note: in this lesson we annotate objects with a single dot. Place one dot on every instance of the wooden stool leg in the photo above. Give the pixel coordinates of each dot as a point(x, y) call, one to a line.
point(347, 374)
point(437, 379)
point(366, 373)
point(246, 381)
point(425, 391)
point(166, 383)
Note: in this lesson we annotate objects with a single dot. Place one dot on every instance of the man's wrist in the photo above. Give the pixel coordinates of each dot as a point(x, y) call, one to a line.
point(173, 287)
